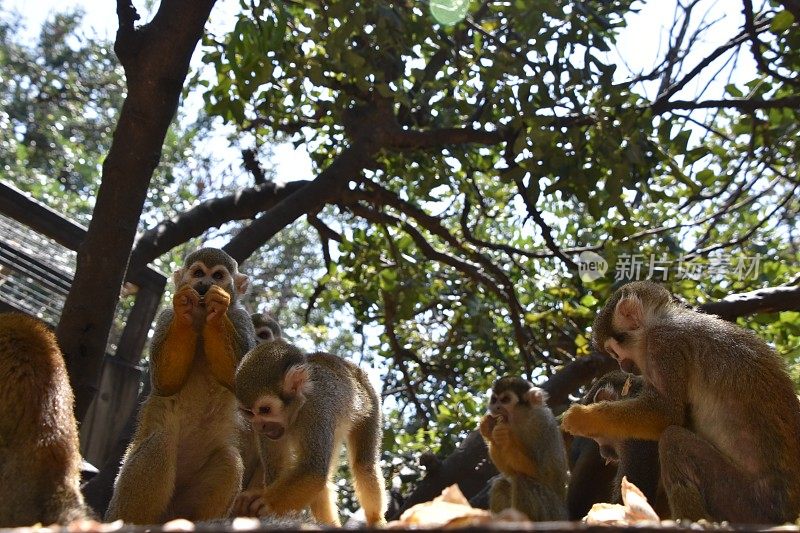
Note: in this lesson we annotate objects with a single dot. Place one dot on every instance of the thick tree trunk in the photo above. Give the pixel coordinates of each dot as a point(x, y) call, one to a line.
point(156, 61)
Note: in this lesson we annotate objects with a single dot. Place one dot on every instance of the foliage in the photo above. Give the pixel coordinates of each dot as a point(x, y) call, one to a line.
point(59, 102)
point(464, 253)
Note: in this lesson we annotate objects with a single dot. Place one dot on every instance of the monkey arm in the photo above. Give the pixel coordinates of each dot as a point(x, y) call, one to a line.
point(219, 346)
point(219, 337)
point(273, 456)
point(486, 426)
point(174, 347)
point(507, 452)
point(644, 417)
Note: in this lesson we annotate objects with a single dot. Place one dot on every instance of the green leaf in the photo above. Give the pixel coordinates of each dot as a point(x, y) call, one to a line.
point(781, 21)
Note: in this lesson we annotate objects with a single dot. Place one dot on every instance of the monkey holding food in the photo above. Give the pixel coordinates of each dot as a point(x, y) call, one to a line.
point(302, 407)
point(526, 446)
point(183, 460)
point(717, 399)
point(39, 450)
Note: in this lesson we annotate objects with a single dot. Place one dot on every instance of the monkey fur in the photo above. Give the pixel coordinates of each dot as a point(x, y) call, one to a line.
point(39, 450)
point(183, 460)
point(717, 399)
point(526, 446)
point(302, 407)
point(632, 458)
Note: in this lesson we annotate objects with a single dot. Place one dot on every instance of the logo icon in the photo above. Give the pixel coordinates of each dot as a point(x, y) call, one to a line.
point(449, 12)
point(591, 266)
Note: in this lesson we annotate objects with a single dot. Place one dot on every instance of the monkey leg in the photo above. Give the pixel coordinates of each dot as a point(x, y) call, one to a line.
point(702, 483)
point(212, 490)
point(364, 448)
point(499, 494)
point(324, 508)
point(146, 481)
point(536, 500)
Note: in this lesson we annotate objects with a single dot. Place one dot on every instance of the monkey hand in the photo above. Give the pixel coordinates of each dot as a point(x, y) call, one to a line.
point(488, 422)
point(217, 301)
point(501, 435)
point(184, 302)
point(581, 420)
point(249, 503)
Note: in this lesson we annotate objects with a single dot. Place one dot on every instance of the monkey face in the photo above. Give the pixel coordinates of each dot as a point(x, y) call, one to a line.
point(202, 277)
point(501, 404)
point(273, 413)
point(264, 333)
point(267, 416)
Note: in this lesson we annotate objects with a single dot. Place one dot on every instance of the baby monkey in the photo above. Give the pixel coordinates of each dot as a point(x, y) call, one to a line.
point(716, 398)
point(526, 446)
point(302, 407)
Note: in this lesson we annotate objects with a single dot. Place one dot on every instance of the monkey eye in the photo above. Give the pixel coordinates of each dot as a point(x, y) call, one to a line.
point(247, 412)
point(264, 410)
point(620, 337)
point(505, 399)
point(198, 273)
point(217, 275)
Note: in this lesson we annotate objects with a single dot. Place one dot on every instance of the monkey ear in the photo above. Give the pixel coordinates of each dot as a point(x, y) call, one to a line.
point(536, 396)
point(177, 276)
point(605, 394)
point(241, 282)
point(629, 313)
point(296, 380)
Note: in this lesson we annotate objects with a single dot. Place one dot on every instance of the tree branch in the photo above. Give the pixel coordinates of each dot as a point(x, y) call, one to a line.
point(744, 104)
point(325, 188)
point(215, 212)
point(156, 62)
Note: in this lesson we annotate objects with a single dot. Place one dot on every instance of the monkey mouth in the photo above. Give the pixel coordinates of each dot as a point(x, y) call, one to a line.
point(273, 431)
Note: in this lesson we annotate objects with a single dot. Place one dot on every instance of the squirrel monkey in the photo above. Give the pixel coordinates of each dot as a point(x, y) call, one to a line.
point(39, 450)
point(716, 398)
point(526, 446)
point(637, 460)
point(302, 407)
point(183, 460)
point(267, 328)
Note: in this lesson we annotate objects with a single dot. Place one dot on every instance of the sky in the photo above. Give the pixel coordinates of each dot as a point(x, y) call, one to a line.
point(636, 45)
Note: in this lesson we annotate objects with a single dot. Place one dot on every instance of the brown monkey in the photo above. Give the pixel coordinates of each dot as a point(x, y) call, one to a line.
point(527, 448)
point(303, 406)
point(39, 451)
point(717, 399)
point(183, 460)
point(632, 458)
point(267, 328)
